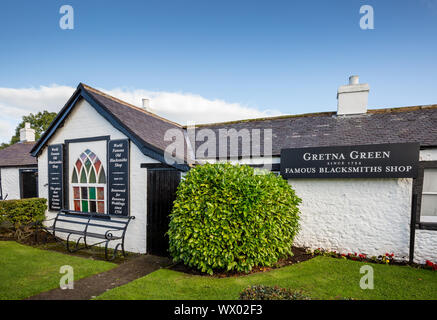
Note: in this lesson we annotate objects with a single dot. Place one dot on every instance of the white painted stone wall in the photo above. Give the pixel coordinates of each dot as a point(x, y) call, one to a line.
point(428, 155)
point(85, 122)
point(370, 216)
point(425, 247)
point(10, 183)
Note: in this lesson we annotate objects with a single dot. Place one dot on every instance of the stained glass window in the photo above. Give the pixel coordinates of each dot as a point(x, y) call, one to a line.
point(88, 181)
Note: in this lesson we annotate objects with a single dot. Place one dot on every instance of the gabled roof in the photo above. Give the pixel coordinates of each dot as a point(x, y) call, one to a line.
point(394, 125)
point(17, 155)
point(145, 129)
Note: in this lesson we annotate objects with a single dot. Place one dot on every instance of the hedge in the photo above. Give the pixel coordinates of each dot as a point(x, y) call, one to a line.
point(23, 211)
point(227, 217)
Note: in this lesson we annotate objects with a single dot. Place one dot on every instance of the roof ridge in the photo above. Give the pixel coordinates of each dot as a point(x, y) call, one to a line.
point(128, 104)
point(319, 114)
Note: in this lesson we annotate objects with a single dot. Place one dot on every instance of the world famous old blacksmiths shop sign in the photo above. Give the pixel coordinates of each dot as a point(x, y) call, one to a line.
point(398, 160)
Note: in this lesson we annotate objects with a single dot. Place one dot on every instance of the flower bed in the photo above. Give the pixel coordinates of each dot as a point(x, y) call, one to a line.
point(431, 265)
point(387, 258)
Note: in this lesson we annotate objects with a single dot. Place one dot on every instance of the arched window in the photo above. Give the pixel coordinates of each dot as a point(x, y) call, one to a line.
point(88, 181)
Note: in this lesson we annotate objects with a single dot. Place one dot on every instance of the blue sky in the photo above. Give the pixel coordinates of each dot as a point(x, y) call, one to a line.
point(288, 56)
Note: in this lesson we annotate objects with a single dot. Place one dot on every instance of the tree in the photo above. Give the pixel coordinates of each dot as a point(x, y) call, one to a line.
point(39, 122)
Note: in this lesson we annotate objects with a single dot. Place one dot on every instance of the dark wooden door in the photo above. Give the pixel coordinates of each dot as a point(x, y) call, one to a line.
point(29, 183)
point(161, 192)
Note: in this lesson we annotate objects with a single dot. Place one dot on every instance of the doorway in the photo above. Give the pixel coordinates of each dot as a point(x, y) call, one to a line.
point(28, 183)
point(161, 192)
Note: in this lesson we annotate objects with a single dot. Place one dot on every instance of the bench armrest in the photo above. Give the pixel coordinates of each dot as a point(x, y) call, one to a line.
point(108, 233)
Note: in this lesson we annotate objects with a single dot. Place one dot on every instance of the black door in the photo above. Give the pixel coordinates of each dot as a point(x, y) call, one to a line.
point(29, 183)
point(161, 192)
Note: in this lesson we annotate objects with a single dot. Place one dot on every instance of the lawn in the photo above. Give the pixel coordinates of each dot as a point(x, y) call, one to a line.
point(26, 271)
point(321, 278)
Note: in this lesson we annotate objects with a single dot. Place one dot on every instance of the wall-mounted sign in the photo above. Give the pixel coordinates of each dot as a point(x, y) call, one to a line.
point(398, 160)
point(118, 177)
point(55, 176)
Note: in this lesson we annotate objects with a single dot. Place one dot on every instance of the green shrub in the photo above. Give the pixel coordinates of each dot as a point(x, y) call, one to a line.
point(23, 211)
point(271, 293)
point(227, 217)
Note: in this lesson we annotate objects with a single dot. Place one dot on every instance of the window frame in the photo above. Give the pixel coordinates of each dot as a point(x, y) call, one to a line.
point(89, 185)
point(67, 170)
point(418, 192)
point(21, 182)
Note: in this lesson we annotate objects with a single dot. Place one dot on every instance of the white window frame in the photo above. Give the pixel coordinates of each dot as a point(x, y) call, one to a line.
point(99, 148)
point(423, 218)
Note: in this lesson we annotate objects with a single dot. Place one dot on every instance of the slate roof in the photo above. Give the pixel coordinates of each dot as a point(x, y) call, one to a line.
point(145, 129)
point(149, 127)
point(394, 125)
point(17, 155)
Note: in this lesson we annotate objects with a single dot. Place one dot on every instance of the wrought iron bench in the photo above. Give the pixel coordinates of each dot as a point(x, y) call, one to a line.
point(113, 230)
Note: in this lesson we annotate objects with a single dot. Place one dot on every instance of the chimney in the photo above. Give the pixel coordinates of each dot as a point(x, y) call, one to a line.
point(352, 98)
point(27, 134)
point(146, 105)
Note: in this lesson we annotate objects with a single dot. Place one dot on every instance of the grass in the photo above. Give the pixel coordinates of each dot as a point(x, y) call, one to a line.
point(26, 271)
point(321, 278)
point(95, 253)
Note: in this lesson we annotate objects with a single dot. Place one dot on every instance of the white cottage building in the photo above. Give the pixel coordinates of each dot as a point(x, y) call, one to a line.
point(18, 169)
point(105, 156)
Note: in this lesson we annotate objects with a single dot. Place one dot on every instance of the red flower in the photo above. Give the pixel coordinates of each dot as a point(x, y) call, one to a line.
point(429, 263)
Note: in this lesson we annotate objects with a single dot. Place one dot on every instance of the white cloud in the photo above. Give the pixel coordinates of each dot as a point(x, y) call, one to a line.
point(6, 130)
point(176, 106)
point(183, 107)
point(15, 103)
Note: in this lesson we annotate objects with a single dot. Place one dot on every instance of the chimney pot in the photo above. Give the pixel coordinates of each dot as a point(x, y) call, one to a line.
point(146, 105)
point(354, 80)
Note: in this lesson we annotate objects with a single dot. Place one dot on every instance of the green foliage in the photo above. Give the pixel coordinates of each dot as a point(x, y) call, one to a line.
point(23, 211)
point(39, 122)
point(227, 217)
point(261, 292)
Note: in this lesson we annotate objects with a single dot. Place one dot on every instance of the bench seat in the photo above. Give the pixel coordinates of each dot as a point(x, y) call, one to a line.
point(82, 233)
point(113, 228)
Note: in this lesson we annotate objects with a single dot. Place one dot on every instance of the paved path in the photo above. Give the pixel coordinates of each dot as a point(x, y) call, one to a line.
point(90, 287)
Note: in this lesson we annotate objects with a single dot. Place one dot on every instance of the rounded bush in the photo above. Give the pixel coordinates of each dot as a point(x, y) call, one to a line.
point(228, 217)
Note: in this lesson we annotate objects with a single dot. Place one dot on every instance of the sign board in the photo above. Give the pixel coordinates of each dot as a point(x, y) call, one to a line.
point(55, 176)
point(118, 177)
point(398, 160)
